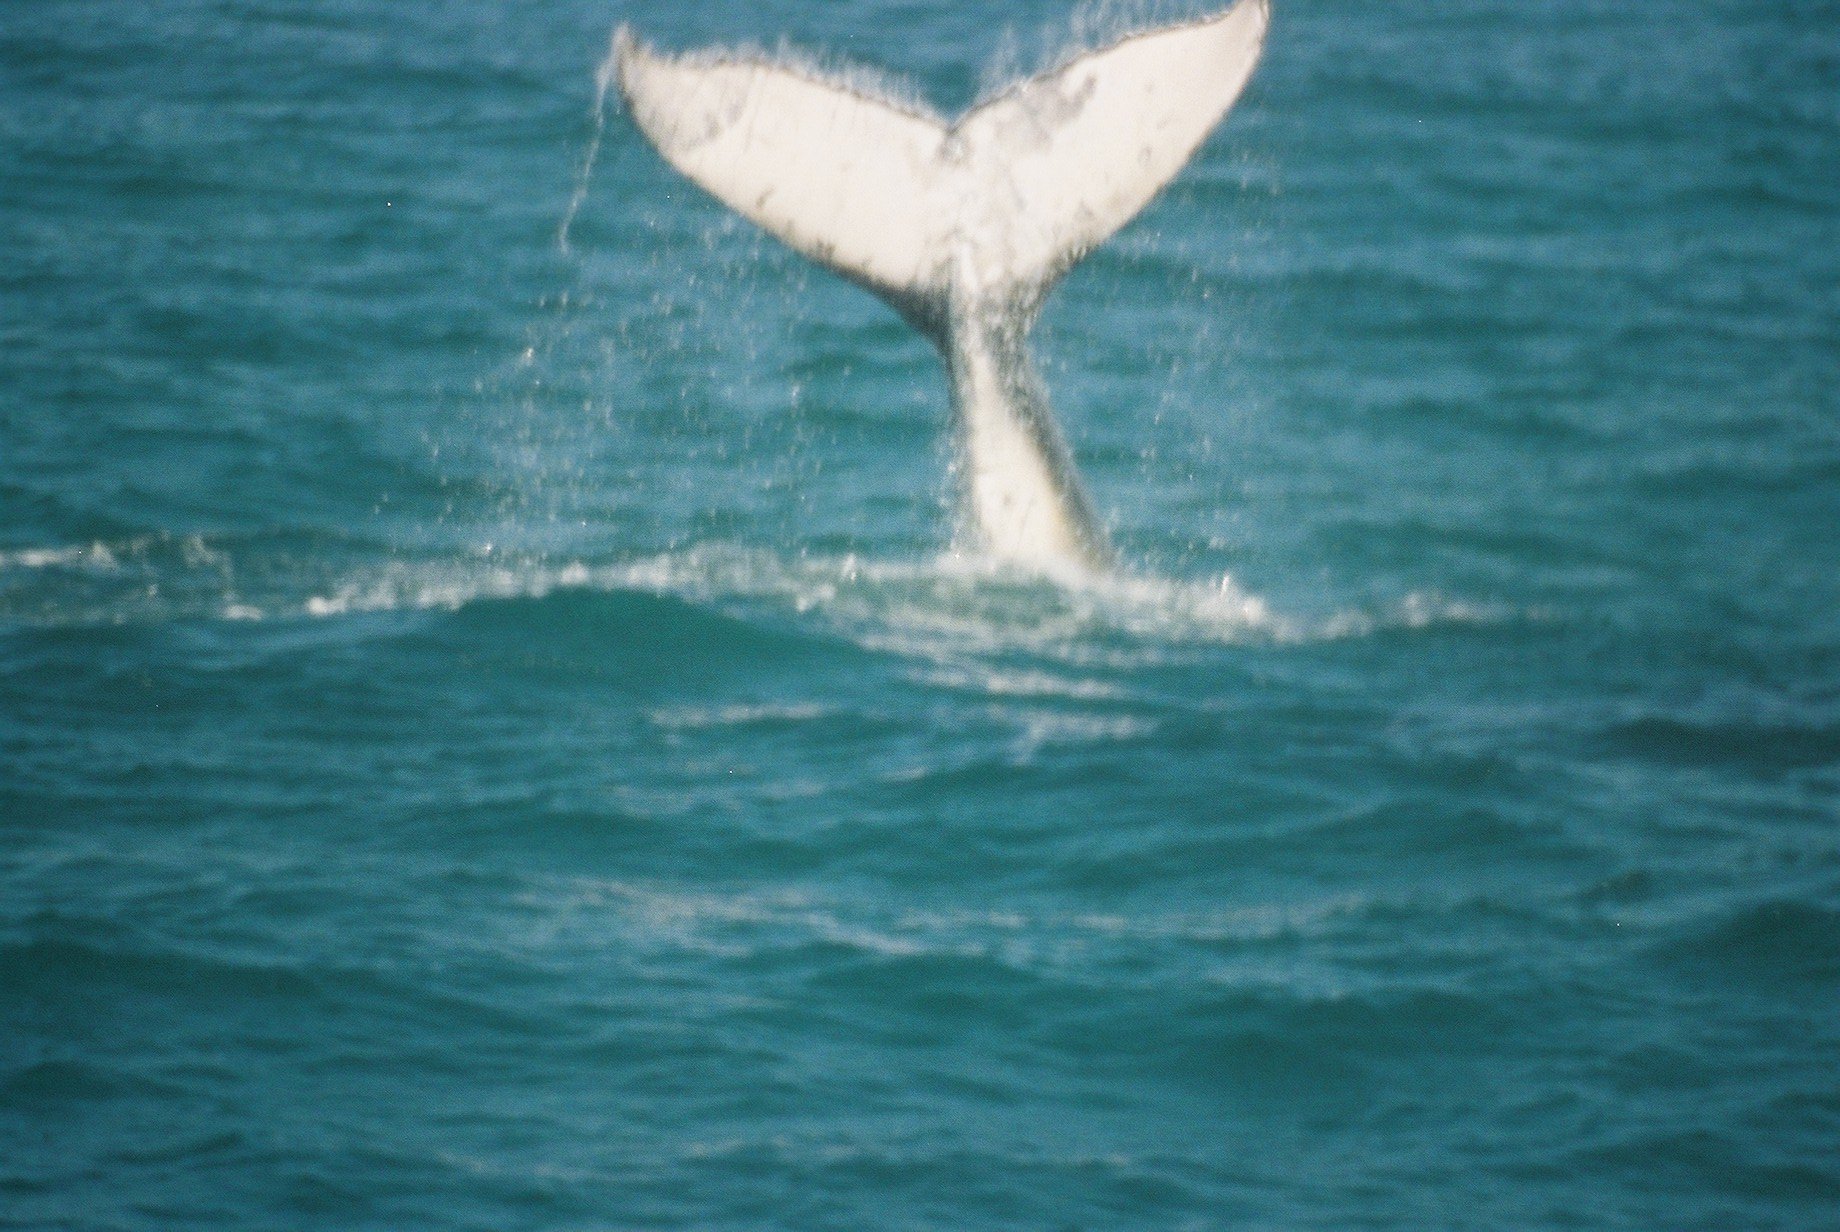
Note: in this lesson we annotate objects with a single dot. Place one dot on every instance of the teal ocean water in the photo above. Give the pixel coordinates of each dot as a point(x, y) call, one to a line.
point(495, 732)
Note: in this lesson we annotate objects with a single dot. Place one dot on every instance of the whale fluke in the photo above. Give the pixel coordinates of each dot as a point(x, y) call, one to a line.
point(963, 227)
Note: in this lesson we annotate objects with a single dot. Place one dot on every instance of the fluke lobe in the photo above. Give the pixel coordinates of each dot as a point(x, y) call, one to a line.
point(962, 227)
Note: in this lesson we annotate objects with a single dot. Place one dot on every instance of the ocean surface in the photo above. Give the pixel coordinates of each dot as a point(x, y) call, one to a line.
point(500, 728)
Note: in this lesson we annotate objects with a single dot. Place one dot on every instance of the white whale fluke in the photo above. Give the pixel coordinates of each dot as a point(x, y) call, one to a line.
point(962, 227)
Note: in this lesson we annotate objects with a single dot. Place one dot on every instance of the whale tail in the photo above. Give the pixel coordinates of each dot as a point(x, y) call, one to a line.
point(963, 227)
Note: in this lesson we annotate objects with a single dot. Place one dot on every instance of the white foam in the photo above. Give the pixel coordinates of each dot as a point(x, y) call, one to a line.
point(1043, 730)
point(950, 614)
point(691, 718)
point(937, 609)
point(740, 923)
point(1420, 610)
point(97, 555)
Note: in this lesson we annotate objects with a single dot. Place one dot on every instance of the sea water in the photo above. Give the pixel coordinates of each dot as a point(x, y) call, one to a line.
point(504, 729)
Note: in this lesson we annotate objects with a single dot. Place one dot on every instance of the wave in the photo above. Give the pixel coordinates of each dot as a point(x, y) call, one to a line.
point(1781, 742)
point(936, 608)
point(103, 556)
point(751, 923)
point(1781, 945)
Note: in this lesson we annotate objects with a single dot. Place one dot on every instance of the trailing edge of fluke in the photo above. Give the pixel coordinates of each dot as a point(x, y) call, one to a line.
point(965, 226)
